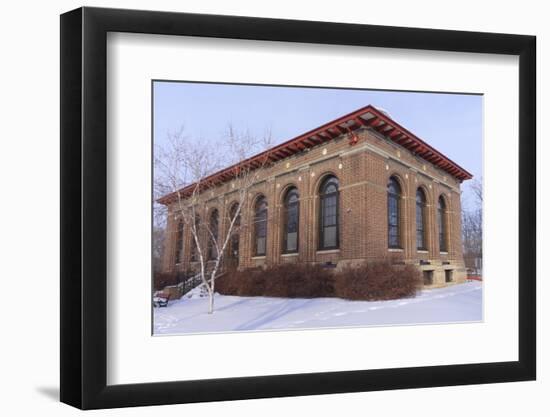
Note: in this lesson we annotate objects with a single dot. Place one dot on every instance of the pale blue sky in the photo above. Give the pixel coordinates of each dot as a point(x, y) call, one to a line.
point(451, 123)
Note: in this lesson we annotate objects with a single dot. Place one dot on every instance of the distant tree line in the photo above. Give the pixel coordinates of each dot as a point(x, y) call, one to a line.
point(472, 228)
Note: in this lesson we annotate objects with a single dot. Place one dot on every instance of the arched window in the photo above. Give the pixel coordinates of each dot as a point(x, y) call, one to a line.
point(291, 218)
point(234, 241)
point(394, 213)
point(213, 225)
point(328, 214)
point(442, 224)
point(194, 250)
point(260, 226)
point(420, 220)
point(179, 242)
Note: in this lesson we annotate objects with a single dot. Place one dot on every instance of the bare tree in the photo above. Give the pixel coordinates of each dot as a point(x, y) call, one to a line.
point(183, 169)
point(472, 227)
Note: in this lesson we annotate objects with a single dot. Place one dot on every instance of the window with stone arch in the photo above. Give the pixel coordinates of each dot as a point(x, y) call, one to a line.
point(213, 225)
point(420, 219)
point(260, 226)
point(442, 223)
point(179, 242)
point(394, 213)
point(291, 220)
point(328, 214)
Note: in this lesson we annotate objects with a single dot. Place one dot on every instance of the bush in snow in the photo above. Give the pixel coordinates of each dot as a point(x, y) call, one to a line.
point(378, 281)
point(286, 280)
point(369, 281)
point(164, 279)
point(300, 281)
point(250, 282)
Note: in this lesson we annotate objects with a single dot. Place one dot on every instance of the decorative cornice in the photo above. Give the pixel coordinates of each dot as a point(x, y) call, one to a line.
point(367, 117)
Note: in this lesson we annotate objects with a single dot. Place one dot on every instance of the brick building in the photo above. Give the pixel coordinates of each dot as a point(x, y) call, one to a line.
point(361, 187)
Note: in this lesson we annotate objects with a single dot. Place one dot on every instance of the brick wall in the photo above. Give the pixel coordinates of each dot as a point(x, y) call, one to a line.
point(363, 171)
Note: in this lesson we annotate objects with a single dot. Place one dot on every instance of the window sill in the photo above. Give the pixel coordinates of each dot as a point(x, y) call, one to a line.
point(395, 249)
point(421, 251)
point(443, 253)
point(289, 254)
point(325, 251)
point(258, 257)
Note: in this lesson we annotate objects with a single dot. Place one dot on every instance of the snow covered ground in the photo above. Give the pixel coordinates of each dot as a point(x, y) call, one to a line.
point(457, 303)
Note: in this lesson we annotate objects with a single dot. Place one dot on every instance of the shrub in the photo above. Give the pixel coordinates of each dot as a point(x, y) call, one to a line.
point(300, 281)
point(250, 282)
point(286, 280)
point(378, 281)
point(164, 279)
point(370, 281)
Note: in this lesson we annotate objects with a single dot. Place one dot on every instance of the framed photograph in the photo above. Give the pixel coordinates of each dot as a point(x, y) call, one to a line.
point(257, 208)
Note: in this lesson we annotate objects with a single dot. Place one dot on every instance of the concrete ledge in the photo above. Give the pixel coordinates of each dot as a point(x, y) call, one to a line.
point(329, 251)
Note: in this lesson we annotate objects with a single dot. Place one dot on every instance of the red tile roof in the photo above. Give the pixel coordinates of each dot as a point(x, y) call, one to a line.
point(368, 116)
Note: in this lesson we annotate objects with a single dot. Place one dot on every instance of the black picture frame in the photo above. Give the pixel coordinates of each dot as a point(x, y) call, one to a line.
point(84, 207)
